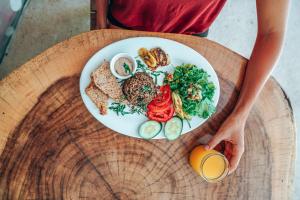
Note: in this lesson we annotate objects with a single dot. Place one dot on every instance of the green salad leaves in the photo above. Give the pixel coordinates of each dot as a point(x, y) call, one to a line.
point(196, 92)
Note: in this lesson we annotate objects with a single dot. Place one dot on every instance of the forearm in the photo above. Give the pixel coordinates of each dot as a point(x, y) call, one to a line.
point(271, 18)
point(263, 59)
point(101, 7)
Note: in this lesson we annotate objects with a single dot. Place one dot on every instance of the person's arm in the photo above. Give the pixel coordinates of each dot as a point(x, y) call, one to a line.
point(272, 17)
point(101, 7)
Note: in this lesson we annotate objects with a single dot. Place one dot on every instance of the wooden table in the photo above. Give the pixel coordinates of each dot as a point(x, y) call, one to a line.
point(52, 148)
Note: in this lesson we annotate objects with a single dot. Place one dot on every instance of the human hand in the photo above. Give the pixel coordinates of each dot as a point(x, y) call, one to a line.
point(232, 132)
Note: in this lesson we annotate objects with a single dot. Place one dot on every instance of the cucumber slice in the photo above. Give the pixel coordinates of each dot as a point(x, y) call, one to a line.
point(173, 128)
point(150, 129)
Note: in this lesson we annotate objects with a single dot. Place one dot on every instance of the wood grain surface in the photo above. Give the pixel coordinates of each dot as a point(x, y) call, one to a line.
point(52, 148)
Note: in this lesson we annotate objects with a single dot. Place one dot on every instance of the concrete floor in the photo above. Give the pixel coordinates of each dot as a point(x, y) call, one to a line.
point(235, 28)
point(43, 24)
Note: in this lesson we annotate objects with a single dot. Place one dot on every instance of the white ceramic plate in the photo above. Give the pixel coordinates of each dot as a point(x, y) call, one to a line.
point(179, 53)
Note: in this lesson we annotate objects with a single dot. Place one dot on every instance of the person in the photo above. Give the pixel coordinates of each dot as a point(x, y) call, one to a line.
point(195, 17)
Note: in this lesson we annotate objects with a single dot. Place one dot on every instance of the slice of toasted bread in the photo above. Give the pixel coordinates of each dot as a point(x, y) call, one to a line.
point(106, 82)
point(98, 97)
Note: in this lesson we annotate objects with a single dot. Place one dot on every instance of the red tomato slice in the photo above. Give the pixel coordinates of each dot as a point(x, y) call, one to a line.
point(154, 108)
point(157, 109)
point(156, 117)
point(161, 107)
point(163, 97)
point(161, 116)
point(170, 112)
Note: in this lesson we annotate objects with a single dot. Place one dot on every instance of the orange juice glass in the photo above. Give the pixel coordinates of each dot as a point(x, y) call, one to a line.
point(211, 165)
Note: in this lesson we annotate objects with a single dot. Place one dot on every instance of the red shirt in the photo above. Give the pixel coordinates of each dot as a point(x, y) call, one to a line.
point(173, 16)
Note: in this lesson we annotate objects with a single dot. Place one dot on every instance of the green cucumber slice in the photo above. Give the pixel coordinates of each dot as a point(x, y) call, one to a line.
point(150, 129)
point(173, 128)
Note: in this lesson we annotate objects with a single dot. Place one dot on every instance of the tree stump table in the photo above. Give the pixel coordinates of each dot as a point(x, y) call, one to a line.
point(52, 148)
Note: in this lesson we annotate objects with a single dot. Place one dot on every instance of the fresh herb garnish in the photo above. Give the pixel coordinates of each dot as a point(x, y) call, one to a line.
point(146, 88)
point(188, 122)
point(138, 109)
point(127, 69)
point(142, 67)
point(194, 89)
point(142, 106)
point(156, 74)
point(120, 109)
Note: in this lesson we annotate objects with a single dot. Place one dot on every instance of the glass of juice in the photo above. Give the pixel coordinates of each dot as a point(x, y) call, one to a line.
point(211, 165)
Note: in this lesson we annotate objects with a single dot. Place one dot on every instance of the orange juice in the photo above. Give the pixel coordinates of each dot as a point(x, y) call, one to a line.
point(209, 164)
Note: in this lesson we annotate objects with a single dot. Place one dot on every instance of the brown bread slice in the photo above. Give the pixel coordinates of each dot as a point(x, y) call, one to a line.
point(98, 97)
point(106, 82)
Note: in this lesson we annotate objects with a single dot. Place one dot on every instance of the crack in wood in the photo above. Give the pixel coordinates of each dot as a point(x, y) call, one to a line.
point(107, 185)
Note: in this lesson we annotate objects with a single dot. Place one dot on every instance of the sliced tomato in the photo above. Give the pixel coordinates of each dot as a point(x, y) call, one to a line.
point(170, 112)
point(157, 109)
point(166, 92)
point(161, 116)
point(154, 108)
point(161, 108)
point(163, 97)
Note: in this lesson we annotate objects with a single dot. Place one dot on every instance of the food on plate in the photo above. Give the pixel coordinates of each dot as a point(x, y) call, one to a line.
point(123, 66)
point(148, 58)
point(161, 108)
point(119, 108)
point(150, 129)
point(162, 59)
point(178, 106)
point(135, 87)
point(154, 58)
point(102, 86)
point(195, 91)
point(139, 89)
point(122, 109)
point(161, 116)
point(106, 82)
point(211, 165)
point(173, 128)
point(98, 97)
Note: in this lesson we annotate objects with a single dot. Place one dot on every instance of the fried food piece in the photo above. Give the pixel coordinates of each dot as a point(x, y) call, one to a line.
point(106, 82)
point(148, 58)
point(177, 102)
point(160, 56)
point(98, 97)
